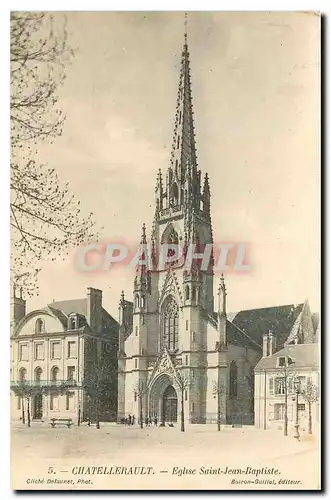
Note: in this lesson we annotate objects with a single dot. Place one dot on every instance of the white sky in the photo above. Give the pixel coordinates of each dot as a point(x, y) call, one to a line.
point(255, 79)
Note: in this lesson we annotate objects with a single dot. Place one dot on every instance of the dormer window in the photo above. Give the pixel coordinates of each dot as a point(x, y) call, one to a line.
point(284, 361)
point(73, 322)
point(40, 326)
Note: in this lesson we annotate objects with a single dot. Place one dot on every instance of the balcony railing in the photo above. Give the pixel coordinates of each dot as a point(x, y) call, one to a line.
point(44, 383)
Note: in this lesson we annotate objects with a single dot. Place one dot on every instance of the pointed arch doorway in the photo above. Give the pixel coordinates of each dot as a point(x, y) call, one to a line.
point(169, 405)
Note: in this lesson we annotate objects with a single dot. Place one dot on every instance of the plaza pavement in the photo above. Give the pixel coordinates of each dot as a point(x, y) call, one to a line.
point(39, 447)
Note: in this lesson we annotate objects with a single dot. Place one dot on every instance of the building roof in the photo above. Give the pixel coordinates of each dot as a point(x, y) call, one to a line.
point(62, 309)
point(78, 306)
point(303, 356)
point(256, 322)
point(234, 335)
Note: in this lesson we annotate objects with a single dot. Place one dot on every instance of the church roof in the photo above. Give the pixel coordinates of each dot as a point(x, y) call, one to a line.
point(303, 356)
point(234, 335)
point(278, 319)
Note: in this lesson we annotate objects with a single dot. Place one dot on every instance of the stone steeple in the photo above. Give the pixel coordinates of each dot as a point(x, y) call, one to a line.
point(183, 179)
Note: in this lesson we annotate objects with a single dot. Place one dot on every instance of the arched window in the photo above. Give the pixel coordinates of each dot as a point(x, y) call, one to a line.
point(40, 326)
point(187, 292)
point(54, 374)
point(137, 300)
point(170, 237)
point(170, 315)
point(233, 379)
point(193, 294)
point(142, 301)
point(37, 374)
point(22, 374)
point(174, 194)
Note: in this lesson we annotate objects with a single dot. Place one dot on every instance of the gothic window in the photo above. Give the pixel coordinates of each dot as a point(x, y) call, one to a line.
point(137, 300)
point(40, 326)
point(170, 237)
point(142, 301)
point(170, 315)
point(233, 379)
point(174, 194)
point(194, 294)
point(187, 292)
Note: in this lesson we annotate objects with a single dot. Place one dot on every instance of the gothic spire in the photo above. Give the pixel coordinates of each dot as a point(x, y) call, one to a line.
point(183, 147)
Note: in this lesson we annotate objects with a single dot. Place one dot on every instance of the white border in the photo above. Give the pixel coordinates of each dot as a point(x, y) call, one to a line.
point(234, 5)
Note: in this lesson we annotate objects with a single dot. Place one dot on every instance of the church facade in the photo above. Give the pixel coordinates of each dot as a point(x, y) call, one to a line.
point(179, 355)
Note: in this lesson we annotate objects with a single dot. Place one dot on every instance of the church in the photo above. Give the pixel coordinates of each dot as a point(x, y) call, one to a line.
point(180, 358)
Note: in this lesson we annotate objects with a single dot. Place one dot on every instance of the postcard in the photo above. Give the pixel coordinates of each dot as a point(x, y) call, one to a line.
point(165, 251)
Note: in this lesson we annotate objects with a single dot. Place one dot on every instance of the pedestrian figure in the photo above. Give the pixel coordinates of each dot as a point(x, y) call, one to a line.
point(129, 419)
point(150, 420)
point(133, 419)
point(155, 421)
point(146, 421)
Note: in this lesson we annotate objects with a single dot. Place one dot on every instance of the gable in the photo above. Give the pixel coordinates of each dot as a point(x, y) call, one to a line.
point(27, 326)
point(171, 287)
point(163, 364)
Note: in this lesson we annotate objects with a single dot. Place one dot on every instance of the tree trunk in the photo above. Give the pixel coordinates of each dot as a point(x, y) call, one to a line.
point(182, 425)
point(310, 425)
point(285, 415)
point(23, 412)
point(218, 410)
point(89, 413)
point(29, 416)
point(97, 416)
point(141, 412)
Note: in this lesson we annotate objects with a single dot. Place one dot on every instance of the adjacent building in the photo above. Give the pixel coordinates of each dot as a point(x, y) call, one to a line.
point(64, 359)
point(283, 370)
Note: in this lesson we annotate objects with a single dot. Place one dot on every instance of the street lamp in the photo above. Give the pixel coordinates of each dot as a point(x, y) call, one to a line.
point(296, 426)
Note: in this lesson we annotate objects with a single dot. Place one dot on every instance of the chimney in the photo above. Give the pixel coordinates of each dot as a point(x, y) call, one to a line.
point(265, 346)
point(17, 308)
point(272, 342)
point(94, 309)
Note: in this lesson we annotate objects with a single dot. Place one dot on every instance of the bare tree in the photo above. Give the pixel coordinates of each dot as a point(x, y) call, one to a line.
point(219, 390)
point(284, 385)
point(310, 395)
point(141, 389)
point(45, 218)
point(95, 384)
point(184, 382)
